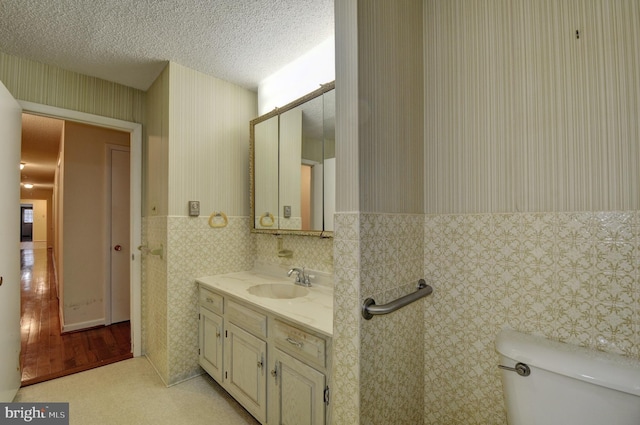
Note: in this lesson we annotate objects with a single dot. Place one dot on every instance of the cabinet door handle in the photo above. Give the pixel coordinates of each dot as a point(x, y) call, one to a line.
point(261, 362)
point(210, 300)
point(294, 342)
point(274, 372)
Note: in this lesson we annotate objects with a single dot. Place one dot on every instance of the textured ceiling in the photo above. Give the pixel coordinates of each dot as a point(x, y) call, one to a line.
point(40, 145)
point(130, 41)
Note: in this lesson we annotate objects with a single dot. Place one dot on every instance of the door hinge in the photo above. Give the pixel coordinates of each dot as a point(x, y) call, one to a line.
point(326, 395)
point(198, 351)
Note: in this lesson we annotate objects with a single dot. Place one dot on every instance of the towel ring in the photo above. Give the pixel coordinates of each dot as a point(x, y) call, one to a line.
point(214, 224)
point(269, 216)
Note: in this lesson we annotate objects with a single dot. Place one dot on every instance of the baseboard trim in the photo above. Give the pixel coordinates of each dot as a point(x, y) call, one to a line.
point(82, 326)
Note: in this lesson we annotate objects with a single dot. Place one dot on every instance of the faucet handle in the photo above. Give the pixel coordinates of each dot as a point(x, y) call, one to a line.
point(301, 277)
point(298, 273)
point(306, 278)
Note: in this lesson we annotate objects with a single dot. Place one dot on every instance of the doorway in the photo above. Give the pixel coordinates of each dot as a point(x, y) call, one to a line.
point(135, 214)
point(26, 223)
point(133, 331)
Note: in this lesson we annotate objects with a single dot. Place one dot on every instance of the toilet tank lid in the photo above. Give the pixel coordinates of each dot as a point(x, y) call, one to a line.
point(605, 369)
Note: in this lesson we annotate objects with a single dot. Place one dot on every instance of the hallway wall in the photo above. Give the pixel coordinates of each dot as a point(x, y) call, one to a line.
point(84, 237)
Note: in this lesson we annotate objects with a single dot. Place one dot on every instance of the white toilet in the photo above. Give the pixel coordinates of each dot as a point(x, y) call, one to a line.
point(566, 384)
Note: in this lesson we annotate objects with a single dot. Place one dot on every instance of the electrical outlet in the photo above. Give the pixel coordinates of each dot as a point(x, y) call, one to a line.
point(194, 208)
point(287, 211)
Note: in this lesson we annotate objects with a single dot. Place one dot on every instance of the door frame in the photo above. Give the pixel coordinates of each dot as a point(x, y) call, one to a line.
point(22, 208)
point(135, 237)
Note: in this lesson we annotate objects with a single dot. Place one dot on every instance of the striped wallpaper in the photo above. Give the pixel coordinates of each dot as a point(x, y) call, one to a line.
point(49, 85)
point(209, 143)
point(156, 160)
point(379, 72)
point(347, 164)
point(532, 105)
point(390, 101)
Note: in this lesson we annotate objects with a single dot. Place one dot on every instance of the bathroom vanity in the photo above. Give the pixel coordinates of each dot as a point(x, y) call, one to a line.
point(267, 342)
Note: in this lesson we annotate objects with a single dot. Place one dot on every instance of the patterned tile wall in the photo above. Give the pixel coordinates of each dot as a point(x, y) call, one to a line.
point(154, 296)
point(378, 373)
point(572, 277)
point(191, 249)
point(391, 368)
point(194, 249)
point(345, 408)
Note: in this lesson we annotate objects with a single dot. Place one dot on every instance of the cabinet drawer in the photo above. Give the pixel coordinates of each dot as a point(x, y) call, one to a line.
point(300, 343)
point(211, 300)
point(246, 318)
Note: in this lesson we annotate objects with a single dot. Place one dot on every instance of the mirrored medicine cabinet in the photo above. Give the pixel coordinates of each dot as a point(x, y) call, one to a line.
point(292, 166)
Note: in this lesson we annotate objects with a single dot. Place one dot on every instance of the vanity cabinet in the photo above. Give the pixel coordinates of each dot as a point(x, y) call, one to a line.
point(244, 372)
point(276, 369)
point(210, 352)
point(210, 334)
point(298, 392)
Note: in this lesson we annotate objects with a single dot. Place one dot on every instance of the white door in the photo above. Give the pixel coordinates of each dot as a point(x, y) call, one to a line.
point(120, 246)
point(10, 139)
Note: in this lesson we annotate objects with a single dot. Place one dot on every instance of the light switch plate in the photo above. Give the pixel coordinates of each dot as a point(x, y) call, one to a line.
point(194, 208)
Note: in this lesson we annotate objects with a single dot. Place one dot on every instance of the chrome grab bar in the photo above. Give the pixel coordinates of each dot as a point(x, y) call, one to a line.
point(369, 307)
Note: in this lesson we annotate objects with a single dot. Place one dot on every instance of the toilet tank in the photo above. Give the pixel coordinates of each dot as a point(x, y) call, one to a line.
point(568, 385)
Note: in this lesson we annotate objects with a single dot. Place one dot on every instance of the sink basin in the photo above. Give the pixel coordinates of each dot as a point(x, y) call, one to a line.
point(278, 290)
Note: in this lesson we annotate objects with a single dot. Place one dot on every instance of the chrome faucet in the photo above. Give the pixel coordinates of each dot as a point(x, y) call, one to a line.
point(301, 278)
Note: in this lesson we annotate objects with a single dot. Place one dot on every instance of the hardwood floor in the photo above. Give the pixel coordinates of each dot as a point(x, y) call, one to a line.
point(46, 353)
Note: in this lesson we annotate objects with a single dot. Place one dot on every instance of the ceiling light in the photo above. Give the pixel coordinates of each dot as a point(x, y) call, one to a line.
point(22, 164)
point(28, 186)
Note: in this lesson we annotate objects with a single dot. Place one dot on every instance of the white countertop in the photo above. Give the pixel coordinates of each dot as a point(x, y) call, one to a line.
point(313, 310)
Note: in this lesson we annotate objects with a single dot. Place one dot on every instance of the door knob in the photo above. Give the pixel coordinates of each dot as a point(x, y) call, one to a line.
point(118, 247)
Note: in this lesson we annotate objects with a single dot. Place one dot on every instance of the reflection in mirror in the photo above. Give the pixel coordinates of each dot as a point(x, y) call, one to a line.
point(266, 174)
point(293, 166)
point(301, 174)
point(329, 158)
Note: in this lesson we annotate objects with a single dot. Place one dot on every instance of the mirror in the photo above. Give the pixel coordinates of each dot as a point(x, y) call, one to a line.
point(293, 166)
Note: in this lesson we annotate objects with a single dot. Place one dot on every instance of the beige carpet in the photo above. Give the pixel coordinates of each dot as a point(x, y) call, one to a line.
point(131, 392)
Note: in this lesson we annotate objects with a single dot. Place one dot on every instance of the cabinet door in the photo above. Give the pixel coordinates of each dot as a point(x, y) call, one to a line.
point(210, 336)
point(299, 392)
point(244, 372)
